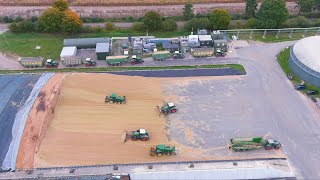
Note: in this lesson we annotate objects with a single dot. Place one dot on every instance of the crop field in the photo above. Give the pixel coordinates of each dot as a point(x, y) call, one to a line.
point(112, 2)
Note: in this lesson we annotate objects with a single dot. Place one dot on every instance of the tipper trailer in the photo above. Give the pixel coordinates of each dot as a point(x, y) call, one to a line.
point(251, 143)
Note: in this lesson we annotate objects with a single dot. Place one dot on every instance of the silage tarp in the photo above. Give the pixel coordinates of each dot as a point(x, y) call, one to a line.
point(9, 162)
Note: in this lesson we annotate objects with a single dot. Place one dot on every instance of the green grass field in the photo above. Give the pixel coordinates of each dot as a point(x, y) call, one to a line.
point(283, 59)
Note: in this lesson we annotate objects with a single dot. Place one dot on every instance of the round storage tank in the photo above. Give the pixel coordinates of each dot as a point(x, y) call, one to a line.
point(304, 59)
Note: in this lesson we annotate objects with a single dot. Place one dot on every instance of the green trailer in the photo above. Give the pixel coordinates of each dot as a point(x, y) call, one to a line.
point(202, 52)
point(251, 143)
point(116, 60)
point(162, 149)
point(161, 55)
point(31, 62)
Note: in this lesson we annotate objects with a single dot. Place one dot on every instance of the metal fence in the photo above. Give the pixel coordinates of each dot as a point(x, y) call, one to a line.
point(289, 33)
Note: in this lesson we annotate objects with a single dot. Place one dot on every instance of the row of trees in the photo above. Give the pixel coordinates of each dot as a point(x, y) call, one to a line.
point(58, 18)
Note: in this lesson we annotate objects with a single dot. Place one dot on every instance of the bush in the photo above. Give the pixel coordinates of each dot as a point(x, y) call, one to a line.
point(169, 25)
point(220, 19)
point(7, 19)
point(97, 29)
point(22, 27)
point(317, 23)
point(131, 19)
point(299, 22)
point(138, 27)
point(235, 16)
point(197, 23)
point(237, 25)
point(51, 20)
point(252, 23)
point(18, 19)
point(71, 22)
point(312, 15)
point(109, 26)
point(34, 19)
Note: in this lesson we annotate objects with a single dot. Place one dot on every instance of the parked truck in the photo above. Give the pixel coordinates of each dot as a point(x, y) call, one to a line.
point(31, 62)
point(116, 60)
point(71, 61)
point(161, 55)
point(251, 143)
point(202, 52)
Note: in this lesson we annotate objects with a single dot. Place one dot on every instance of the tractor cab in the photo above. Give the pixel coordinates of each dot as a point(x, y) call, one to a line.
point(136, 60)
point(89, 62)
point(51, 63)
point(219, 53)
point(272, 144)
point(115, 99)
point(140, 134)
point(178, 55)
point(168, 108)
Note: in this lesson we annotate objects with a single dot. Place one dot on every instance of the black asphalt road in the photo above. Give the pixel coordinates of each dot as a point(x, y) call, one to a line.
point(14, 91)
point(182, 73)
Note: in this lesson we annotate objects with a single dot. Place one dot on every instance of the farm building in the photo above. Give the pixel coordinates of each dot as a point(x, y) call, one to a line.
point(102, 50)
point(84, 43)
point(304, 59)
point(221, 44)
point(193, 41)
point(184, 44)
point(205, 41)
point(217, 35)
point(68, 52)
point(169, 46)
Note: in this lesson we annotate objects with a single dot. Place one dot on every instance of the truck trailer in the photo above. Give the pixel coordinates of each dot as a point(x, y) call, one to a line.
point(202, 52)
point(31, 62)
point(116, 60)
point(161, 55)
point(71, 61)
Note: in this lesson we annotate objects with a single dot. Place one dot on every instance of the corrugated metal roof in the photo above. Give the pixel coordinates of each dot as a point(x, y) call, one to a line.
point(85, 42)
point(102, 47)
point(169, 45)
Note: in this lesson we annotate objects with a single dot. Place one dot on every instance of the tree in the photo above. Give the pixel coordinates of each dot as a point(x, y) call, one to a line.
point(51, 20)
point(71, 22)
point(188, 11)
point(272, 14)
point(62, 5)
point(251, 8)
point(138, 27)
point(252, 23)
point(169, 25)
point(197, 23)
point(220, 19)
point(306, 6)
point(317, 6)
point(152, 21)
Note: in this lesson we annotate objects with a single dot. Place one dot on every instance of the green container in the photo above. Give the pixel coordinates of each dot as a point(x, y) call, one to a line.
point(161, 55)
point(116, 60)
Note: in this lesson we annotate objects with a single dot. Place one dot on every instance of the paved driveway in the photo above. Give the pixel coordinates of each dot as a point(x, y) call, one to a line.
point(262, 102)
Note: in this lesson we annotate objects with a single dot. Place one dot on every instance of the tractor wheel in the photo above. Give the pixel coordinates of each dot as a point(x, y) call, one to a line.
point(159, 154)
point(133, 138)
point(268, 148)
point(173, 110)
point(133, 63)
point(56, 66)
point(165, 112)
point(48, 66)
point(276, 148)
point(93, 64)
point(168, 154)
point(86, 65)
point(144, 139)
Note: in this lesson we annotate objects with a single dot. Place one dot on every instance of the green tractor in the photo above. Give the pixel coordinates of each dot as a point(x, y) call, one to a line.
point(177, 55)
point(115, 99)
point(90, 62)
point(51, 63)
point(168, 108)
point(272, 144)
point(136, 60)
point(140, 134)
point(220, 53)
point(161, 149)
